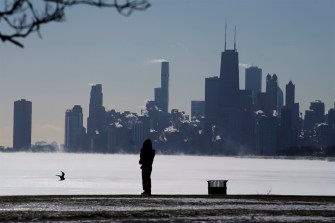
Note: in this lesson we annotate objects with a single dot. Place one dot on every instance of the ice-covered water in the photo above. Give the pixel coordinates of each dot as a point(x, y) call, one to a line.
point(34, 173)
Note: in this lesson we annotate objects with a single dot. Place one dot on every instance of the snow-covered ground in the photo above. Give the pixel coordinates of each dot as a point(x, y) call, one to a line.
point(34, 174)
point(168, 208)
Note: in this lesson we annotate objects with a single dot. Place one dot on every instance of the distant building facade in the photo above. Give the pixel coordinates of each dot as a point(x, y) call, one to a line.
point(271, 93)
point(229, 80)
point(280, 100)
point(22, 124)
point(253, 81)
point(162, 93)
point(74, 129)
point(293, 109)
point(197, 109)
point(96, 121)
point(212, 93)
point(268, 135)
point(319, 108)
point(96, 100)
point(290, 95)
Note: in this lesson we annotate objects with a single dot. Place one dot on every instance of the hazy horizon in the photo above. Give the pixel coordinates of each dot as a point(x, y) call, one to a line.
point(294, 39)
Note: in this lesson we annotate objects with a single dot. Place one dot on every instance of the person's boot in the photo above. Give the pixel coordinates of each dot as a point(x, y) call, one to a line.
point(146, 192)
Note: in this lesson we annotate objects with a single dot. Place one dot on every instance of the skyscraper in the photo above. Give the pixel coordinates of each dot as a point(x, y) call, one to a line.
point(271, 93)
point(96, 99)
point(229, 78)
point(286, 130)
point(212, 92)
point(310, 120)
point(294, 108)
point(22, 124)
point(230, 112)
point(290, 95)
point(165, 86)
point(162, 93)
point(331, 117)
point(253, 81)
point(319, 108)
point(74, 129)
point(267, 135)
point(280, 100)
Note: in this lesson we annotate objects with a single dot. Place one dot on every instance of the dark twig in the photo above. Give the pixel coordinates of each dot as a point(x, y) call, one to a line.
point(20, 18)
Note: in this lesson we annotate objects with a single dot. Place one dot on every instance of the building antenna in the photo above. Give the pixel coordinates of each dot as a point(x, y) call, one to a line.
point(235, 39)
point(225, 36)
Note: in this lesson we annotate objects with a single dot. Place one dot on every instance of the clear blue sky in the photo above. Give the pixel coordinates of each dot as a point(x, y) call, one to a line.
point(294, 39)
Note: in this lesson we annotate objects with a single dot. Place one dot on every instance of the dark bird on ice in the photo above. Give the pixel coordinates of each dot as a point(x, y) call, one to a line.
point(61, 177)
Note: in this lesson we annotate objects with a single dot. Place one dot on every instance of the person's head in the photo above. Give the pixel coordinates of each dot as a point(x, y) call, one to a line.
point(147, 145)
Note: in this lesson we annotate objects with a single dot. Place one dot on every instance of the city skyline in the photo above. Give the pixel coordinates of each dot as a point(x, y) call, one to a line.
point(60, 80)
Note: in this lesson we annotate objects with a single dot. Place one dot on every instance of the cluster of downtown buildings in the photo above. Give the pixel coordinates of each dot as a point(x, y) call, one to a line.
point(230, 121)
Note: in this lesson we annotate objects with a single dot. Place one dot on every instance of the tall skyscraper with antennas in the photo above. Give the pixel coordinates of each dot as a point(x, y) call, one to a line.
point(230, 114)
point(229, 75)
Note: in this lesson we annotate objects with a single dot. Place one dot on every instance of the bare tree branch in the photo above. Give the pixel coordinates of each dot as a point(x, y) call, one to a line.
point(20, 18)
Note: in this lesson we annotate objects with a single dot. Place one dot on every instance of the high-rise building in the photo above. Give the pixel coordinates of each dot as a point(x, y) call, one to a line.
point(162, 93)
point(74, 129)
point(229, 78)
point(96, 121)
point(247, 130)
point(319, 108)
point(286, 128)
point(165, 86)
point(280, 100)
point(253, 81)
point(331, 117)
point(325, 135)
point(261, 102)
point(267, 134)
point(22, 124)
point(294, 107)
point(96, 99)
point(290, 95)
point(310, 120)
point(226, 115)
point(230, 114)
point(197, 109)
point(212, 92)
point(271, 93)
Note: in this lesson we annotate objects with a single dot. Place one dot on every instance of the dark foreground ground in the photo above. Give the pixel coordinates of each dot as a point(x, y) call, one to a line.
point(167, 208)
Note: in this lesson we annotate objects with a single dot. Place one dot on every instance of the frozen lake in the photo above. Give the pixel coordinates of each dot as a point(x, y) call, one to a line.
point(34, 174)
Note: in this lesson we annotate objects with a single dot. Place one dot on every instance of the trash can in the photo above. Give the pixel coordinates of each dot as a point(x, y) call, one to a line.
point(217, 186)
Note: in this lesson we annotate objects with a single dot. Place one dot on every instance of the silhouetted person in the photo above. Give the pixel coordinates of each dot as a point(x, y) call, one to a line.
point(61, 177)
point(146, 159)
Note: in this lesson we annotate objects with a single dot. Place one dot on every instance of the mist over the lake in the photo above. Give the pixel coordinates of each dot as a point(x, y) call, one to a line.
point(35, 174)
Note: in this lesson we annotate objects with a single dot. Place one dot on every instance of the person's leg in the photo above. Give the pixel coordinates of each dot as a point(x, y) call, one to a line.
point(146, 180)
point(149, 180)
point(143, 179)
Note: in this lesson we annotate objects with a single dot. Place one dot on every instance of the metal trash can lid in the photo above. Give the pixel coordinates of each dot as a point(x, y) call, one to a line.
point(217, 183)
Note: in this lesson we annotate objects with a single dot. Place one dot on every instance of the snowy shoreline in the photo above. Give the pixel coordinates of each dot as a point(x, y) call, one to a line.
point(171, 208)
